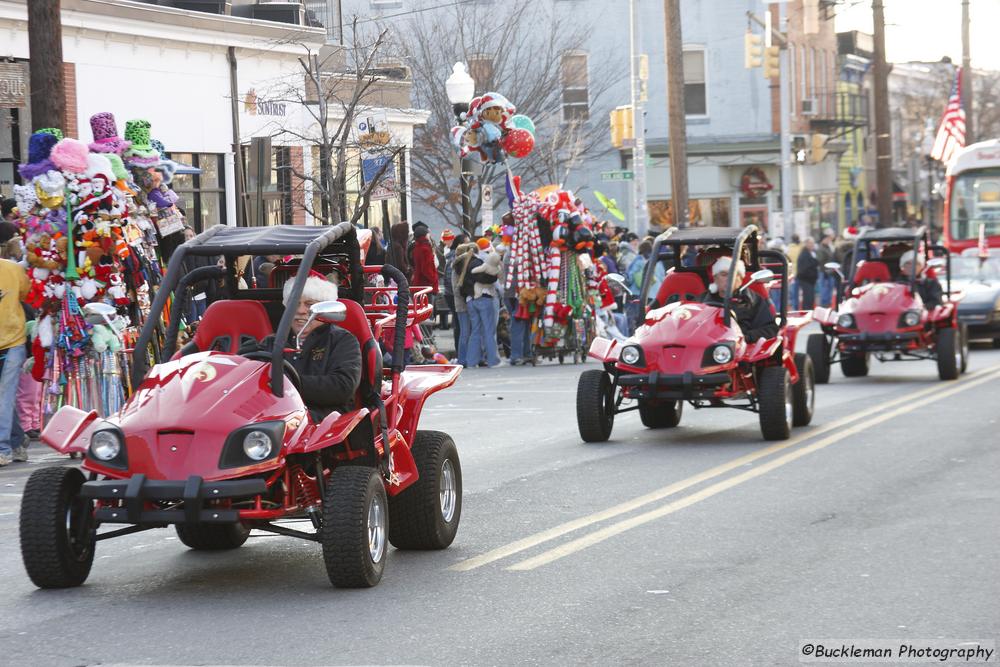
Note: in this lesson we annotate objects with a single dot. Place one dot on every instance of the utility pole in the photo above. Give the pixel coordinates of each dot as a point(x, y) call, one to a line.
point(967, 78)
point(675, 112)
point(641, 212)
point(883, 139)
point(785, 127)
point(48, 91)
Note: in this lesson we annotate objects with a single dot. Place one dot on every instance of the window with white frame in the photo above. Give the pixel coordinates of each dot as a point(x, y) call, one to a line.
point(575, 80)
point(695, 88)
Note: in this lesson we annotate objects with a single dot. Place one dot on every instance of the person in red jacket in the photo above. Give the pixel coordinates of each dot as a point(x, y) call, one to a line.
point(424, 269)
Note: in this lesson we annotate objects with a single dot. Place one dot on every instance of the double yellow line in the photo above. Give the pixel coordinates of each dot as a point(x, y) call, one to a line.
point(841, 429)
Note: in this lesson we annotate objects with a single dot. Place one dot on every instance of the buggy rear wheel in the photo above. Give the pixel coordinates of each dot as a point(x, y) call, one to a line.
point(818, 349)
point(949, 353)
point(660, 414)
point(57, 540)
point(803, 391)
point(426, 514)
point(354, 531)
point(213, 537)
point(775, 402)
point(964, 331)
point(854, 365)
point(595, 406)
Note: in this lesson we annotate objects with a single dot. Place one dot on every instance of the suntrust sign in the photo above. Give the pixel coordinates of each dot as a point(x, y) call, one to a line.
point(255, 106)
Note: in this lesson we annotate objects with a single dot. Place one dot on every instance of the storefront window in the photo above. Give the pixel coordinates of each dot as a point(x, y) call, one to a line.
point(701, 213)
point(201, 196)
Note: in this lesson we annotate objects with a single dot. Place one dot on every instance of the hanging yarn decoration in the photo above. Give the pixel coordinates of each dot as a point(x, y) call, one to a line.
point(555, 261)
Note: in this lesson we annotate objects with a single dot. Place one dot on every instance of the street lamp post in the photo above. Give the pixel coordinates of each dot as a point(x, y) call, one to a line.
point(460, 87)
point(928, 148)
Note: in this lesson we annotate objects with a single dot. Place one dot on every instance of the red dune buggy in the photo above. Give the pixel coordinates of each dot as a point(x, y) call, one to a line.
point(217, 443)
point(879, 310)
point(694, 352)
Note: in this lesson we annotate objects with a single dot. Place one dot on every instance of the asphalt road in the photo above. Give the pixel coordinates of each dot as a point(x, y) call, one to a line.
point(701, 545)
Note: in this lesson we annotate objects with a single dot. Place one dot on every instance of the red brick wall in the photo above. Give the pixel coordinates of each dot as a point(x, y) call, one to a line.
point(69, 79)
point(298, 187)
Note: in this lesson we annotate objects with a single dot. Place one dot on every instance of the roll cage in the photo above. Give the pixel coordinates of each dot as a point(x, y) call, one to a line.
point(311, 242)
point(735, 238)
point(915, 237)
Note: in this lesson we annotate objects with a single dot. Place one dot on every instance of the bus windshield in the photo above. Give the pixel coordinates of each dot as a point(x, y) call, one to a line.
point(975, 201)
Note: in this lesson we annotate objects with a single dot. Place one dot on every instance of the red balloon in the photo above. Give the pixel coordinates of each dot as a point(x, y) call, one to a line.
point(518, 142)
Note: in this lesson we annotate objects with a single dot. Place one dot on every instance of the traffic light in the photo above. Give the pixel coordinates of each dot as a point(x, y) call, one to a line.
point(621, 126)
point(818, 149)
point(772, 62)
point(799, 149)
point(754, 51)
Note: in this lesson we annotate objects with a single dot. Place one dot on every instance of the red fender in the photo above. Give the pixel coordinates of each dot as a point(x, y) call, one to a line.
point(69, 430)
point(333, 429)
point(604, 349)
point(416, 384)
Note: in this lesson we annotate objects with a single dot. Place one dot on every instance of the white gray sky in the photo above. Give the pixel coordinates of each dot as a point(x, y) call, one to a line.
point(930, 29)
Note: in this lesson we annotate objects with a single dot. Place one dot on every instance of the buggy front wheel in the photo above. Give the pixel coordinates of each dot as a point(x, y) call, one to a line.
point(775, 402)
point(57, 528)
point(595, 406)
point(660, 414)
point(354, 532)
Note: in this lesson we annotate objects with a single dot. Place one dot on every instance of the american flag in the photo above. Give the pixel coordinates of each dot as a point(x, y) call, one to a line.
point(951, 133)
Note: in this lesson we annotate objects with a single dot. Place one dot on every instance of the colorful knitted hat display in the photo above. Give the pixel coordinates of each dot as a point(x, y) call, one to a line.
point(167, 167)
point(137, 132)
point(118, 167)
point(106, 139)
point(54, 131)
point(39, 148)
point(70, 155)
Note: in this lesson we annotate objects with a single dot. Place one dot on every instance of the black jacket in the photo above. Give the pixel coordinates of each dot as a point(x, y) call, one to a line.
point(807, 267)
point(467, 288)
point(753, 314)
point(329, 367)
point(929, 290)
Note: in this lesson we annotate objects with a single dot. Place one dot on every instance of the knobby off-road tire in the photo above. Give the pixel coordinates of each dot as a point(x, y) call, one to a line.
point(854, 365)
point(51, 512)
point(803, 391)
point(354, 532)
point(660, 414)
point(774, 399)
point(213, 537)
point(818, 350)
point(595, 403)
point(948, 348)
point(426, 514)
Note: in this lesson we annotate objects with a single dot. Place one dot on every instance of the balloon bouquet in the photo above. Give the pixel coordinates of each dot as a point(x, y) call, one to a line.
point(493, 130)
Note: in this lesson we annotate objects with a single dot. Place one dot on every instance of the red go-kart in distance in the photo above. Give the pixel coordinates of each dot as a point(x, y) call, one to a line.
point(217, 443)
point(880, 312)
point(686, 351)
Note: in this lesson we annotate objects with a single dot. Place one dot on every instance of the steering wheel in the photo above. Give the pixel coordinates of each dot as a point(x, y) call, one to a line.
point(290, 372)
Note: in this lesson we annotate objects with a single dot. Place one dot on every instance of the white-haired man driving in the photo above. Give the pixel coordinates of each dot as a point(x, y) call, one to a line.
point(329, 363)
point(753, 313)
point(929, 289)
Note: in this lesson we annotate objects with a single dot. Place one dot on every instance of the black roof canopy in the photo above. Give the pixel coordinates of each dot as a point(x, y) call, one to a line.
point(893, 234)
point(270, 240)
point(704, 235)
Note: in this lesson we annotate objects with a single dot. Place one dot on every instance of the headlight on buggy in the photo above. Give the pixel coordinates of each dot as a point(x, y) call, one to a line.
point(722, 354)
point(105, 445)
point(910, 318)
point(257, 445)
point(845, 321)
point(631, 355)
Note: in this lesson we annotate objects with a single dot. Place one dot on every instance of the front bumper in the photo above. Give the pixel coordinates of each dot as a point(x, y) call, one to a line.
point(686, 386)
point(137, 492)
point(878, 342)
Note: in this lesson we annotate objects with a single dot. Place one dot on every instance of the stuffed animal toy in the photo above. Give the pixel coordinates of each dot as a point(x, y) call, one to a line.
point(491, 267)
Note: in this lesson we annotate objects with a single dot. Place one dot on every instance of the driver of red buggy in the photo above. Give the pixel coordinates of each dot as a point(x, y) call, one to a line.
point(753, 312)
point(329, 362)
point(926, 286)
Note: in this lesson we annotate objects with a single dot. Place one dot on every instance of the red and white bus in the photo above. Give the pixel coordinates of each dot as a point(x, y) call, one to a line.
point(972, 203)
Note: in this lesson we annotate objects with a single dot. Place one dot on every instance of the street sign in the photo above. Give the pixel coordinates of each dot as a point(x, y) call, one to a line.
point(617, 175)
point(371, 164)
point(13, 85)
